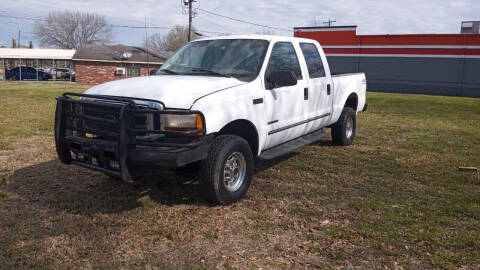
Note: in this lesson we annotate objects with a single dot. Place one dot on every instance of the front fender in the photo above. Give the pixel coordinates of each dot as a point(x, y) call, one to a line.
point(236, 103)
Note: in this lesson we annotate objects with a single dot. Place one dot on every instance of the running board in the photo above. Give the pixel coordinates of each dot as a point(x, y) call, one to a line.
point(294, 144)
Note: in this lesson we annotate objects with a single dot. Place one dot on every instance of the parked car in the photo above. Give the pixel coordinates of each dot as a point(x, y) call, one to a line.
point(221, 102)
point(27, 73)
point(153, 72)
point(64, 74)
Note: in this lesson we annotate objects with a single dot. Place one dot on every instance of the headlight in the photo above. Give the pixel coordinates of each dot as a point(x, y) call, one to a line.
point(182, 122)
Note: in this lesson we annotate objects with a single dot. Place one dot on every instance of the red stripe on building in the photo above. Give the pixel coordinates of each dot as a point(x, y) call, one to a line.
point(342, 38)
point(404, 51)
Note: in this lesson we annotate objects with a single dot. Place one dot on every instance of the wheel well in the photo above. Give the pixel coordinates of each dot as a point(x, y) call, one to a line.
point(244, 129)
point(352, 101)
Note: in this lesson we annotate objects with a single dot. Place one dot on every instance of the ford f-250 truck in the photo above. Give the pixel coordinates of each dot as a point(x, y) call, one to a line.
point(223, 102)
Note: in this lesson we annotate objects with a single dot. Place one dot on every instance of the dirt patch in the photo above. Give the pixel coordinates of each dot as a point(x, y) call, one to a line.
point(25, 152)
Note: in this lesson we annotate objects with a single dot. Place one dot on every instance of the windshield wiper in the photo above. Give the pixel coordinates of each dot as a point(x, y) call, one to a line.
point(169, 71)
point(212, 72)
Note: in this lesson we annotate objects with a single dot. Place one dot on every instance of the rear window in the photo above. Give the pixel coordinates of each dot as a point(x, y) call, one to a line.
point(313, 60)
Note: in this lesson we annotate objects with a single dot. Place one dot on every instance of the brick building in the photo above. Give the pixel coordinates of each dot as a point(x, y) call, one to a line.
point(95, 64)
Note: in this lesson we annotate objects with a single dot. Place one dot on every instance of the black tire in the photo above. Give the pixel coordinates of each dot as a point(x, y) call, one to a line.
point(343, 131)
point(15, 78)
point(216, 187)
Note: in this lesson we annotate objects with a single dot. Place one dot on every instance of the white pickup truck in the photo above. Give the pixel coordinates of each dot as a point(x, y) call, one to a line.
point(223, 102)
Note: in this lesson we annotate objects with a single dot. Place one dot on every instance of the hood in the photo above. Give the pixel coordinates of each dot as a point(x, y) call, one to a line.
point(175, 91)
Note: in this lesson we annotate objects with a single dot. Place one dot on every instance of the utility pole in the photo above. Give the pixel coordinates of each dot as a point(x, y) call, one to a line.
point(146, 47)
point(190, 17)
point(18, 46)
point(330, 22)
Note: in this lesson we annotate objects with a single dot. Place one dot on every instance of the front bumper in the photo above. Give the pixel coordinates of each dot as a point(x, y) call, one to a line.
point(103, 136)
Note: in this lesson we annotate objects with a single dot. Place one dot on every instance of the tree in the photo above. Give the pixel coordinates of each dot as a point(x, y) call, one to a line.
point(72, 29)
point(171, 42)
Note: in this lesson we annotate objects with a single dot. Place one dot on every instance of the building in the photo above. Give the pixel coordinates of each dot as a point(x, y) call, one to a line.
point(49, 60)
point(439, 64)
point(96, 64)
point(472, 27)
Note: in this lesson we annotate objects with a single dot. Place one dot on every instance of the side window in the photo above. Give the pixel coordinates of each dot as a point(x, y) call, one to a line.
point(284, 58)
point(313, 60)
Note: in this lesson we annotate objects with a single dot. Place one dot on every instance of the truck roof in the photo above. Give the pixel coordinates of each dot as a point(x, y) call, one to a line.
point(262, 37)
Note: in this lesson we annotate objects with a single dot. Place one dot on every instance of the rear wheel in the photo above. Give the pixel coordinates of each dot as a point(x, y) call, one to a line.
point(14, 78)
point(227, 171)
point(343, 131)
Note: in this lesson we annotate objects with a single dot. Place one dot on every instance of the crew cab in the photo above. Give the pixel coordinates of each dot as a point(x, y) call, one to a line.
point(223, 103)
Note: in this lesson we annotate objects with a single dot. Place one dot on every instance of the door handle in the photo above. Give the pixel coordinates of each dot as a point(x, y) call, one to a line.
point(328, 89)
point(305, 93)
point(257, 101)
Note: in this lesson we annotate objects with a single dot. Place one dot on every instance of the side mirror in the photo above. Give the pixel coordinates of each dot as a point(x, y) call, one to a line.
point(280, 79)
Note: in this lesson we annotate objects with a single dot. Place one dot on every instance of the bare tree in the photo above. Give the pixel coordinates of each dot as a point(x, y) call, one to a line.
point(171, 42)
point(72, 29)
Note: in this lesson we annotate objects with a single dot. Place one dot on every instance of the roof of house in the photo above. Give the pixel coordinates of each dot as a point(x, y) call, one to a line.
point(118, 53)
point(17, 53)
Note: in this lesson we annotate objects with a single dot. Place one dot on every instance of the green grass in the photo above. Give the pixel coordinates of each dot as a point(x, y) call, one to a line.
point(395, 197)
point(27, 109)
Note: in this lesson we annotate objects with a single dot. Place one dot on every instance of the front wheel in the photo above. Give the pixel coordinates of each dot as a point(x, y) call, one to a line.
point(343, 131)
point(227, 171)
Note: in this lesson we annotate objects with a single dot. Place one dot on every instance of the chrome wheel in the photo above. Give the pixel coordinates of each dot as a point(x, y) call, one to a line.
point(349, 127)
point(234, 171)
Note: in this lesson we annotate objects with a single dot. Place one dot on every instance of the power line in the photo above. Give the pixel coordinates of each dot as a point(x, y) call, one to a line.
point(49, 7)
point(10, 12)
point(21, 18)
point(112, 25)
point(209, 20)
point(141, 27)
point(242, 21)
point(129, 27)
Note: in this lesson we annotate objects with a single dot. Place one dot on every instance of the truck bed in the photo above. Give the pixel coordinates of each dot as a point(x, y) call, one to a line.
point(346, 74)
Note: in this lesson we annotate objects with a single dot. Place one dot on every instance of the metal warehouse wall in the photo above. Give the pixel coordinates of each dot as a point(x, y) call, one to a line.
point(423, 64)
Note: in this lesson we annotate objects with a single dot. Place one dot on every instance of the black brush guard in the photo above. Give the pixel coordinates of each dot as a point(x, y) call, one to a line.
point(100, 133)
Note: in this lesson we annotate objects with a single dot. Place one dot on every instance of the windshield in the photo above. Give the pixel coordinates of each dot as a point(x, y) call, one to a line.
point(238, 58)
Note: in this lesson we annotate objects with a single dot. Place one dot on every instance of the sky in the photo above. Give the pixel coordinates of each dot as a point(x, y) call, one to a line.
point(371, 16)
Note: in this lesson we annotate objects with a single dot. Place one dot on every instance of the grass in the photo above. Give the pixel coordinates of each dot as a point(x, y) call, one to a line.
point(26, 109)
point(394, 198)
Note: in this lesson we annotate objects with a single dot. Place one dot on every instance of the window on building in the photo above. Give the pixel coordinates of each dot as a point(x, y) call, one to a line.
point(133, 72)
point(284, 58)
point(313, 60)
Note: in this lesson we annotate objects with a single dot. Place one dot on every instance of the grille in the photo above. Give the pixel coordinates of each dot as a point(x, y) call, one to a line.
point(93, 126)
point(101, 120)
